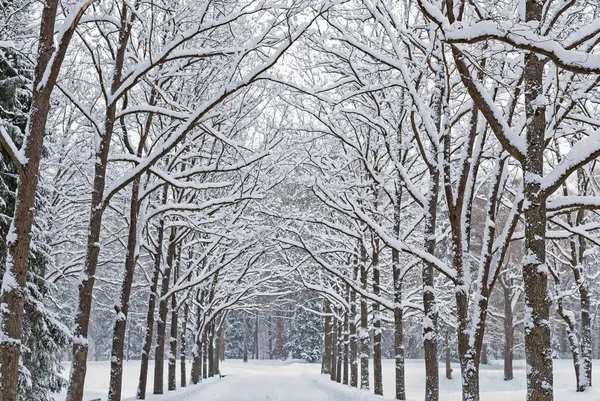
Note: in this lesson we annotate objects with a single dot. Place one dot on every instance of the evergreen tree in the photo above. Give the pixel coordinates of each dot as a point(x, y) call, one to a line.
point(305, 340)
point(44, 336)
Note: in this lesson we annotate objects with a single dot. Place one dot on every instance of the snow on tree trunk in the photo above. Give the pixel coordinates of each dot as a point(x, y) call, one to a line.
point(334, 348)
point(363, 332)
point(326, 361)
point(122, 309)
point(429, 304)
point(50, 56)
point(398, 309)
point(377, 335)
point(183, 346)
point(538, 349)
point(172, 373)
point(353, 335)
point(245, 338)
point(97, 207)
point(509, 331)
point(163, 309)
point(147, 347)
point(346, 342)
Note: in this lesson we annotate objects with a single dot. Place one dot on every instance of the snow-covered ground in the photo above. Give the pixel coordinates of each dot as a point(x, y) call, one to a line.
point(297, 381)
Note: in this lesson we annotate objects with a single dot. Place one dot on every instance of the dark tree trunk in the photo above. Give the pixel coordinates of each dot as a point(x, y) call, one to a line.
point(211, 349)
point(448, 361)
point(326, 363)
point(172, 372)
point(270, 333)
point(377, 335)
point(141, 392)
point(338, 370)
point(346, 344)
point(245, 338)
point(97, 207)
point(333, 374)
point(197, 350)
point(538, 349)
point(398, 310)
point(222, 341)
point(255, 343)
point(429, 305)
point(353, 334)
point(49, 57)
point(183, 345)
point(205, 354)
point(363, 335)
point(279, 337)
point(163, 309)
point(122, 310)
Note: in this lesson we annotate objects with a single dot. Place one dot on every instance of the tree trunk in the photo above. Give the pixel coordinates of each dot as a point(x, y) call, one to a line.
point(363, 335)
point(163, 309)
point(346, 359)
point(12, 293)
point(326, 363)
point(338, 370)
point(122, 309)
point(183, 345)
point(377, 335)
point(333, 373)
point(245, 338)
point(205, 355)
point(279, 338)
point(398, 309)
point(211, 349)
point(448, 361)
point(509, 331)
point(271, 341)
point(353, 335)
point(141, 392)
point(97, 207)
point(222, 341)
point(538, 349)
point(255, 343)
point(172, 375)
point(197, 350)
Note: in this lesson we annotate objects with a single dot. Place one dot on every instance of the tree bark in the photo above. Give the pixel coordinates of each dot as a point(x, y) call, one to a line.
point(333, 374)
point(163, 309)
point(338, 370)
point(377, 335)
point(398, 309)
point(97, 207)
point(346, 344)
point(197, 350)
point(211, 349)
point(205, 355)
point(183, 345)
point(509, 331)
point(363, 335)
point(50, 57)
point(538, 349)
point(141, 391)
point(122, 310)
point(448, 361)
point(326, 363)
point(353, 334)
point(172, 373)
point(245, 338)
point(255, 343)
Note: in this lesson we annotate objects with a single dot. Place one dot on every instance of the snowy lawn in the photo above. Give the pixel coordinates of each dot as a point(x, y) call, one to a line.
point(297, 381)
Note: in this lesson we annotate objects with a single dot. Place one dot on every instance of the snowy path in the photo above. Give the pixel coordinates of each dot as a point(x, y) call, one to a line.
point(293, 381)
point(276, 382)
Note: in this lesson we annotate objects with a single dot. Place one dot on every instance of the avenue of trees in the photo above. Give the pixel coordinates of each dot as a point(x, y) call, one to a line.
point(334, 180)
